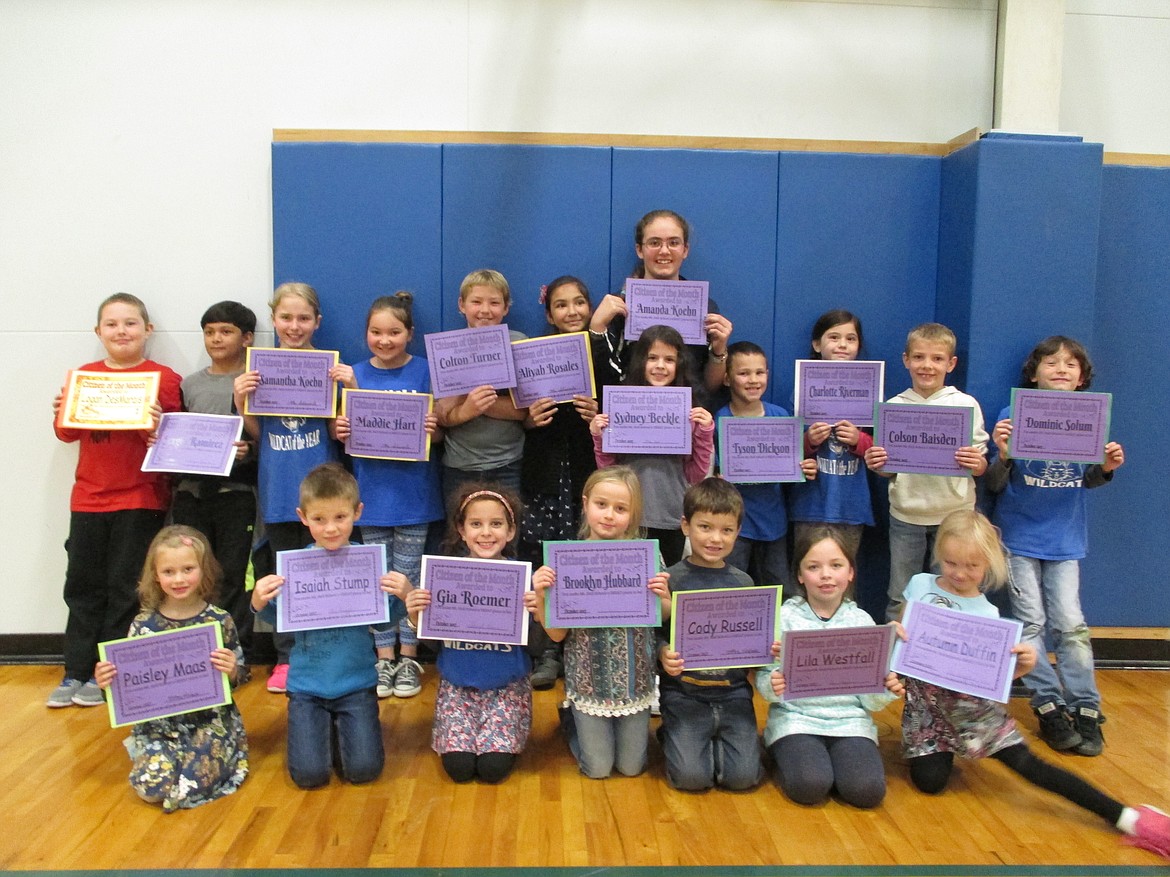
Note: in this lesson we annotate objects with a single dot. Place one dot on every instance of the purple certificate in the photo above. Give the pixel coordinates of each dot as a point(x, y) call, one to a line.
point(478, 601)
point(556, 367)
point(293, 383)
point(202, 444)
point(755, 450)
point(602, 583)
point(725, 627)
point(923, 438)
point(843, 660)
point(647, 420)
point(165, 674)
point(463, 359)
point(387, 425)
point(957, 650)
point(339, 588)
point(1060, 426)
point(828, 391)
point(681, 304)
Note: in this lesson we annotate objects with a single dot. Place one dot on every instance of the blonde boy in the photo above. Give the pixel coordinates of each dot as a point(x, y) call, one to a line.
point(918, 503)
point(115, 508)
point(485, 431)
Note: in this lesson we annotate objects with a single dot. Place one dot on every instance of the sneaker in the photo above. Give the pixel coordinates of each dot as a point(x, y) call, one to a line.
point(89, 695)
point(1152, 831)
point(278, 681)
point(62, 695)
point(386, 668)
point(1056, 726)
point(546, 671)
point(406, 681)
point(1089, 722)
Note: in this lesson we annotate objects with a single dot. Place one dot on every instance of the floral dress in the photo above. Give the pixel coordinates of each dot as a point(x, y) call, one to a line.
point(187, 760)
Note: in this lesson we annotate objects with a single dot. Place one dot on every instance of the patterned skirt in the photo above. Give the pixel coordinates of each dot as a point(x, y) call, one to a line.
point(937, 719)
point(478, 721)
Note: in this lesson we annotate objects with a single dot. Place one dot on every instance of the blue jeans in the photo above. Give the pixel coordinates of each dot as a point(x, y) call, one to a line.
point(765, 562)
point(1045, 596)
point(341, 731)
point(710, 744)
point(910, 547)
point(602, 744)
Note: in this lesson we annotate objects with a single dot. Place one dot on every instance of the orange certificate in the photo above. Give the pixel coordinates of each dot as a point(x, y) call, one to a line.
point(108, 400)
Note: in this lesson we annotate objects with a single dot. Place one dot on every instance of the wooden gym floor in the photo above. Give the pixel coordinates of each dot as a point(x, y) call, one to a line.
point(69, 809)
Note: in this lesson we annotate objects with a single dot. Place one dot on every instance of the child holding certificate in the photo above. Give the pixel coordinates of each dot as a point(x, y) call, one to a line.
point(189, 759)
point(483, 709)
point(760, 549)
point(1041, 512)
point(708, 730)
point(830, 742)
point(660, 359)
point(115, 508)
point(485, 432)
point(332, 701)
point(840, 493)
point(609, 671)
point(288, 447)
point(402, 496)
point(938, 723)
point(919, 502)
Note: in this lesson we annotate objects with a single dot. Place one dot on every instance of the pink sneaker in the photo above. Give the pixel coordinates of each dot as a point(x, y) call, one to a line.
point(1152, 831)
point(278, 681)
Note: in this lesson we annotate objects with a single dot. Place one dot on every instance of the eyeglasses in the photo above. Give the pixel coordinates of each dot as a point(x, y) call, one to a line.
point(660, 243)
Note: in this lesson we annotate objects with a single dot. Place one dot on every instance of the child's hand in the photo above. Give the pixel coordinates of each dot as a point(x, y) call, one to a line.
point(479, 400)
point(265, 589)
point(431, 424)
point(156, 413)
point(600, 422)
point(775, 650)
point(397, 584)
point(608, 308)
point(1000, 435)
point(660, 585)
point(224, 660)
point(242, 448)
point(586, 406)
point(808, 466)
point(875, 458)
point(972, 458)
point(847, 433)
point(417, 600)
point(540, 412)
point(817, 433)
point(104, 673)
point(343, 374)
point(341, 428)
point(534, 603)
point(701, 417)
point(718, 329)
point(245, 385)
point(778, 683)
point(1114, 457)
point(671, 661)
point(543, 579)
point(58, 401)
point(894, 684)
point(1025, 659)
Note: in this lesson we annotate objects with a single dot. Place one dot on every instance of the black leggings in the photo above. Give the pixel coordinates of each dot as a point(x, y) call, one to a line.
point(931, 772)
point(491, 767)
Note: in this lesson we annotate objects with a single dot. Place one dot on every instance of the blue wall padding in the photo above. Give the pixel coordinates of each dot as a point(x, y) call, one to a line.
point(531, 212)
point(357, 221)
point(729, 200)
point(1124, 581)
point(1007, 240)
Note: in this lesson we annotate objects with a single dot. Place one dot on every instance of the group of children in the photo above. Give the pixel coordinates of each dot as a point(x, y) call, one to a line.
point(512, 479)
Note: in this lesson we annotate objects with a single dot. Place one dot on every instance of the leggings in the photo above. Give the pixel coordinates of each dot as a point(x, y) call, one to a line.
point(931, 772)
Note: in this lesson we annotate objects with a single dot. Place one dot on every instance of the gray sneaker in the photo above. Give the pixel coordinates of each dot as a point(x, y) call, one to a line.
point(62, 695)
point(89, 695)
point(407, 682)
point(386, 667)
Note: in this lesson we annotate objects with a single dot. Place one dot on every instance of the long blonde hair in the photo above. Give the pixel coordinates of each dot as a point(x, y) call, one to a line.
point(972, 527)
point(150, 592)
point(625, 476)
